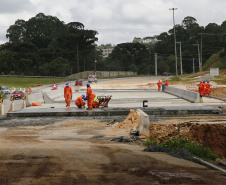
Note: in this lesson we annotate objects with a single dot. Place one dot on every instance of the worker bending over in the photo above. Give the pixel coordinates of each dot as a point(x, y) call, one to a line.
point(89, 97)
point(95, 101)
point(79, 101)
point(68, 94)
point(208, 91)
point(159, 85)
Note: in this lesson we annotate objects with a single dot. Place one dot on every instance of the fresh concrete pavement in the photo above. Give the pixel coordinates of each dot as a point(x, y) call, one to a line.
point(126, 94)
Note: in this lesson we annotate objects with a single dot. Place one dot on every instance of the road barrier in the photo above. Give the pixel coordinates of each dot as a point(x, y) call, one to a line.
point(10, 106)
point(191, 96)
point(34, 98)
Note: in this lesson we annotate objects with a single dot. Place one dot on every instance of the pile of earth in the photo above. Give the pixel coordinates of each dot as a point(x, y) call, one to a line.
point(211, 134)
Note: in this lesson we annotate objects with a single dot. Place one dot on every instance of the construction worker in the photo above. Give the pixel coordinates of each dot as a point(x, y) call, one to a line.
point(79, 101)
point(166, 83)
point(204, 90)
point(68, 94)
point(201, 88)
point(95, 101)
point(159, 85)
point(208, 91)
point(89, 97)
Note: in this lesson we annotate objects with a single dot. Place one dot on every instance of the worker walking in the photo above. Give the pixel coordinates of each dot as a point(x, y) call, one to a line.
point(89, 97)
point(79, 101)
point(159, 85)
point(68, 94)
point(208, 91)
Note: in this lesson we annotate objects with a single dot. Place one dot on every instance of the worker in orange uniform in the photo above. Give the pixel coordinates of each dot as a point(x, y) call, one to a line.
point(89, 97)
point(79, 101)
point(208, 91)
point(166, 83)
point(204, 85)
point(159, 85)
point(201, 86)
point(95, 101)
point(68, 94)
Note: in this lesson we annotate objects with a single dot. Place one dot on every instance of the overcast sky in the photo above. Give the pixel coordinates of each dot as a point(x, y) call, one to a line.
point(117, 21)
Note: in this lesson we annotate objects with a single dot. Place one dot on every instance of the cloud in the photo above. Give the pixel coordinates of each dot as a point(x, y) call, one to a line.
point(116, 21)
point(14, 7)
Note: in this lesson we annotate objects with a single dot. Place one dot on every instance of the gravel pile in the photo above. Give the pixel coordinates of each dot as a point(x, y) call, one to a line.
point(126, 139)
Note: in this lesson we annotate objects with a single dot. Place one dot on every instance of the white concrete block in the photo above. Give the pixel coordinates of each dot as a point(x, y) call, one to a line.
point(144, 128)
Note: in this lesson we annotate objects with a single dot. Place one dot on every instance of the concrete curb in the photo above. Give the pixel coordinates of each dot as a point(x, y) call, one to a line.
point(191, 96)
point(42, 112)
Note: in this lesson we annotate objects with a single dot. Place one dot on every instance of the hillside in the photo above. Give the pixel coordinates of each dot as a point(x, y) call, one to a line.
point(216, 61)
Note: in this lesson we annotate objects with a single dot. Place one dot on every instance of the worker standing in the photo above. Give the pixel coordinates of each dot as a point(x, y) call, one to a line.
point(204, 88)
point(68, 94)
point(166, 83)
point(79, 101)
point(89, 97)
point(208, 91)
point(159, 85)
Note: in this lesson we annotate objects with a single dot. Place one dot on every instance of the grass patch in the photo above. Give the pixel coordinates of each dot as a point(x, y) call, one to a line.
point(193, 147)
point(18, 82)
point(220, 80)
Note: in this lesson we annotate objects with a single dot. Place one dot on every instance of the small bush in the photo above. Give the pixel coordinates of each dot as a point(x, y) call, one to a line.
point(2, 95)
point(175, 79)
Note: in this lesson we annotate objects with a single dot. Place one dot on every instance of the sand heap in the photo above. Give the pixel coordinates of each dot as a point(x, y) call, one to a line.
point(132, 121)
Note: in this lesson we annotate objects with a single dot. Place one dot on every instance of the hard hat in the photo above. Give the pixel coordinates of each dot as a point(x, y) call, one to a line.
point(201, 81)
point(67, 83)
point(87, 84)
point(159, 80)
point(208, 81)
point(83, 96)
point(166, 80)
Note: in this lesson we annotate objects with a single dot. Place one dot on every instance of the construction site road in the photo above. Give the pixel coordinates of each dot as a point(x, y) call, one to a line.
point(76, 151)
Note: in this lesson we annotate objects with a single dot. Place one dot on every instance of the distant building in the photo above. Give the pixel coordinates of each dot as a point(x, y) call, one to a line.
point(106, 52)
point(106, 49)
point(146, 40)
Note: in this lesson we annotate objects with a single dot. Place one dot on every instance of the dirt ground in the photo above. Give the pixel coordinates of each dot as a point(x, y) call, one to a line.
point(80, 152)
point(211, 131)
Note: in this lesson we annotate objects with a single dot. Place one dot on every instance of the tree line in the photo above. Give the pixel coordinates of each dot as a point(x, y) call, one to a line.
point(44, 45)
point(140, 57)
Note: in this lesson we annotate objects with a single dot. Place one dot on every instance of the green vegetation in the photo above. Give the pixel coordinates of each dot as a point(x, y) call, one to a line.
point(194, 147)
point(220, 80)
point(2, 95)
point(54, 48)
point(27, 82)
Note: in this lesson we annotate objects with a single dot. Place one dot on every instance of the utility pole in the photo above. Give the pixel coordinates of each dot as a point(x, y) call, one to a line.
point(199, 57)
point(156, 57)
point(181, 68)
point(201, 49)
point(95, 66)
point(175, 40)
point(193, 65)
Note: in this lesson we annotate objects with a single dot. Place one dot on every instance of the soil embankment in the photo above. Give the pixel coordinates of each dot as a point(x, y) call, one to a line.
point(211, 132)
